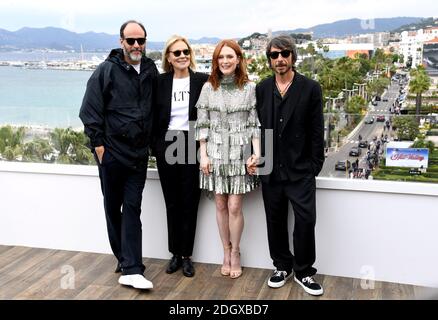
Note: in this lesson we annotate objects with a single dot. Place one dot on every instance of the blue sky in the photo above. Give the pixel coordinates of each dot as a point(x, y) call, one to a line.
point(196, 18)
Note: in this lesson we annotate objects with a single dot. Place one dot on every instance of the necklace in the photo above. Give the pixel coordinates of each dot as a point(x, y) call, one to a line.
point(282, 92)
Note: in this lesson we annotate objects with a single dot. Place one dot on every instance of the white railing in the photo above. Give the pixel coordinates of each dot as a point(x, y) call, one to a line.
point(382, 230)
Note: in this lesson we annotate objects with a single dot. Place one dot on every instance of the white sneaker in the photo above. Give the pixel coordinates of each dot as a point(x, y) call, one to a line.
point(136, 280)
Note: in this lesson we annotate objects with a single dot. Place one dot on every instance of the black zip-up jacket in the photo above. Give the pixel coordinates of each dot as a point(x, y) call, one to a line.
point(117, 109)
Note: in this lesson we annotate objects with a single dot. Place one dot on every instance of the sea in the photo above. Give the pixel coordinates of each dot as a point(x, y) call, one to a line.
point(42, 97)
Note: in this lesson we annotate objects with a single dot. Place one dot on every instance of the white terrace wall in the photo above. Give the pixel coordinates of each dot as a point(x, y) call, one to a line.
point(382, 230)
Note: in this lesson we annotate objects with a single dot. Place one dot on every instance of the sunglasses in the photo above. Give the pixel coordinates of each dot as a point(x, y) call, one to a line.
point(177, 53)
point(284, 53)
point(131, 41)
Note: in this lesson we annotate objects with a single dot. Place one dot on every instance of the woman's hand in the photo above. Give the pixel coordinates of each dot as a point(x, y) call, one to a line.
point(205, 165)
point(251, 164)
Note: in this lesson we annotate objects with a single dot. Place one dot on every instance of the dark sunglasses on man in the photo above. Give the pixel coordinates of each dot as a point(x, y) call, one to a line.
point(131, 41)
point(177, 53)
point(284, 53)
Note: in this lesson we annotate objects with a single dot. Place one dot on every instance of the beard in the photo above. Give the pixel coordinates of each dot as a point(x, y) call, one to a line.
point(134, 57)
point(286, 67)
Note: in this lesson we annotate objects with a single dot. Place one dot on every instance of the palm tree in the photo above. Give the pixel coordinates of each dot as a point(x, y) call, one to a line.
point(71, 146)
point(419, 84)
point(62, 140)
point(378, 59)
point(377, 86)
point(312, 52)
point(37, 150)
point(11, 140)
point(79, 150)
point(260, 67)
point(12, 153)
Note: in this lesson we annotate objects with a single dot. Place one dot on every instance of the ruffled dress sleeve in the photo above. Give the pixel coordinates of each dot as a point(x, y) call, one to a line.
point(202, 124)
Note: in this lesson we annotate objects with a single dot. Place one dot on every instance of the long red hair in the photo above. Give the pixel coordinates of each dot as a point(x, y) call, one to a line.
point(241, 75)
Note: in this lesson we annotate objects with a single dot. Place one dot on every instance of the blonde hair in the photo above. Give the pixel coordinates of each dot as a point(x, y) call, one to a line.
point(166, 65)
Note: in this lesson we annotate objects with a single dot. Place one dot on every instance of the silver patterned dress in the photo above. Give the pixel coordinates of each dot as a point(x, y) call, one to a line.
point(227, 120)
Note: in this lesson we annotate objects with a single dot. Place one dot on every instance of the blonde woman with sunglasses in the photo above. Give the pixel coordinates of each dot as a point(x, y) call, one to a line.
point(177, 91)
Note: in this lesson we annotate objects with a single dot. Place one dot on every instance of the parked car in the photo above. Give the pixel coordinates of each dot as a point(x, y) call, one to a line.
point(374, 103)
point(369, 120)
point(363, 144)
point(342, 165)
point(380, 118)
point(355, 152)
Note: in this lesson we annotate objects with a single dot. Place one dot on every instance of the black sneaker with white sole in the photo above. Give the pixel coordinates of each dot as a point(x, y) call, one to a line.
point(310, 285)
point(279, 278)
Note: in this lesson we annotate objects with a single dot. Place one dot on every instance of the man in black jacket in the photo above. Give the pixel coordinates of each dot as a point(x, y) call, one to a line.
point(117, 115)
point(290, 105)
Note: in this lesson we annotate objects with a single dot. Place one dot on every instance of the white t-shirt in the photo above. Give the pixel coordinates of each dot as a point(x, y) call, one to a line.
point(179, 116)
point(136, 67)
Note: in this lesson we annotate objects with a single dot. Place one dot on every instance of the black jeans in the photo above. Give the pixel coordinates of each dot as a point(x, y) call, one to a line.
point(301, 194)
point(180, 185)
point(122, 189)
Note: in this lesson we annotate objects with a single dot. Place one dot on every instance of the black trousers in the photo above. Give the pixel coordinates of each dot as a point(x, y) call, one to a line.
point(122, 189)
point(301, 194)
point(180, 185)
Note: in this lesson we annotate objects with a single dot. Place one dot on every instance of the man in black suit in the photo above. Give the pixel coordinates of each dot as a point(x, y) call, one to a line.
point(290, 105)
point(117, 115)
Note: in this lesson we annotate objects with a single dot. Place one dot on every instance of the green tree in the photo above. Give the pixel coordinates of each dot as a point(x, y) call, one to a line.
point(356, 105)
point(12, 153)
point(62, 141)
point(379, 59)
point(301, 52)
point(406, 127)
point(11, 140)
point(378, 86)
point(401, 58)
point(71, 146)
point(420, 83)
point(312, 52)
point(422, 143)
point(37, 150)
point(79, 150)
point(12, 137)
point(311, 49)
point(260, 68)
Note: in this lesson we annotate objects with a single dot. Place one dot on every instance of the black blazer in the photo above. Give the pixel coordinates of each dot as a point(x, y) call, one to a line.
point(163, 99)
point(302, 136)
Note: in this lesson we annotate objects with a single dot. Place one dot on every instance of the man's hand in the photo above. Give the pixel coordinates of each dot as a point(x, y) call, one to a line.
point(99, 153)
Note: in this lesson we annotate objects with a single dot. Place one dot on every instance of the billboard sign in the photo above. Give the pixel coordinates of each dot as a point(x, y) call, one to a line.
point(407, 157)
point(430, 58)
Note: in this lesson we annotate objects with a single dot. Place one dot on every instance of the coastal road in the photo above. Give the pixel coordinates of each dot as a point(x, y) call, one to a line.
point(367, 131)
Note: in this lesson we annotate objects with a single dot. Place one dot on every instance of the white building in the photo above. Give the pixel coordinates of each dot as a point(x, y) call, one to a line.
point(411, 45)
point(381, 39)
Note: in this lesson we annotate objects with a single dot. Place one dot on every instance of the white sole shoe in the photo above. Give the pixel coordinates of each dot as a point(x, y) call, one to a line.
point(135, 280)
point(276, 285)
point(310, 291)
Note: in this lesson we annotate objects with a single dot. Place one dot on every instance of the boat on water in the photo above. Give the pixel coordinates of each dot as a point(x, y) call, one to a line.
point(79, 65)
